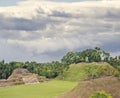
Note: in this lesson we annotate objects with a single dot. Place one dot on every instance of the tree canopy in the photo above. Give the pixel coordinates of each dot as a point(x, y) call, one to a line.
point(54, 68)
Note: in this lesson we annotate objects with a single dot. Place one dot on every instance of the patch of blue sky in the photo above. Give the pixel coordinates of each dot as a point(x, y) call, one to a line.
point(9, 2)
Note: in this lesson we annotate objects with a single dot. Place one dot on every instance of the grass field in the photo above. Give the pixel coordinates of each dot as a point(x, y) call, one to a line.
point(49, 89)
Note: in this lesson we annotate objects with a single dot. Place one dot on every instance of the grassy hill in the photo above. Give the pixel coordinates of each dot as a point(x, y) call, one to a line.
point(49, 89)
point(84, 89)
point(81, 71)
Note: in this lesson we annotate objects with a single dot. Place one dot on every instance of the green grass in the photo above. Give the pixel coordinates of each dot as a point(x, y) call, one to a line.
point(81, 71)
point(49, 89)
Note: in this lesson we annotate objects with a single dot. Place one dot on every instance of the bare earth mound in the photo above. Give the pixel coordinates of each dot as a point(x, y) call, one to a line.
point(24, 76)
point(85, 88)
point(20, 76)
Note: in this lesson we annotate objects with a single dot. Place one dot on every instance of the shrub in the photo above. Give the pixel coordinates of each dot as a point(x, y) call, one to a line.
point(100, 94)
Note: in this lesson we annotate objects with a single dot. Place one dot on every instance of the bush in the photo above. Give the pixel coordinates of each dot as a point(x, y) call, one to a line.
point(100, 94)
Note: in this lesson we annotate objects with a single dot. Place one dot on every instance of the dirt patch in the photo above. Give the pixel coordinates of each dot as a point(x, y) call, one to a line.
point(4, 83)
point(30, 79)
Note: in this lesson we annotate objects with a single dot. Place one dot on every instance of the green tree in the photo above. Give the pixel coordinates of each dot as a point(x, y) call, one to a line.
point(94, 55)
point(70, 57)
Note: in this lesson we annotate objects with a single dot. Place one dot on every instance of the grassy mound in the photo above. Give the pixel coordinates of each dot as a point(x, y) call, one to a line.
point(84, 89)
point(81, 71)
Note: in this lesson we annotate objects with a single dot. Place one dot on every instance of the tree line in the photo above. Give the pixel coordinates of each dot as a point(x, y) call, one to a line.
point(54, 68)
point(49, 70)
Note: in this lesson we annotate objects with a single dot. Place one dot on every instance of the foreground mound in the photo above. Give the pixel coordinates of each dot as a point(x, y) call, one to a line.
point(82, 71)
point(84, 89)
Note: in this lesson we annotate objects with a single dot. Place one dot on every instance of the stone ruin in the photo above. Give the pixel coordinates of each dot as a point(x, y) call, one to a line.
point(21, 76)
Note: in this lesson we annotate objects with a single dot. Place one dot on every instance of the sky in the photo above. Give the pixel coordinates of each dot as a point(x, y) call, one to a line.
point(14, 2)
point(43, 31)
point(9, 2)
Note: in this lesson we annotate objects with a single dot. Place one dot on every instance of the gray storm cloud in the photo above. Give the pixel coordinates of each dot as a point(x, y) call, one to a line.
point(44, 30)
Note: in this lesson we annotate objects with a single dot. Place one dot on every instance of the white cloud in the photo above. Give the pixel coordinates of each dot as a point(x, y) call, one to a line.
point(50, 28)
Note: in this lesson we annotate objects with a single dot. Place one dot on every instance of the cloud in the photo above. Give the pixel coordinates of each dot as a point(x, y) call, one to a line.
point(45, 30)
